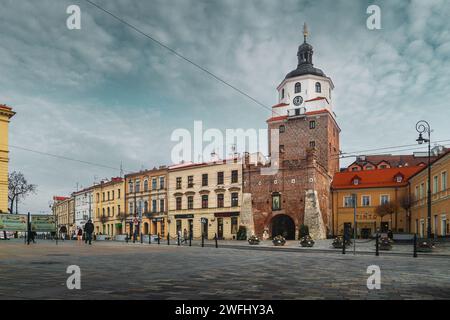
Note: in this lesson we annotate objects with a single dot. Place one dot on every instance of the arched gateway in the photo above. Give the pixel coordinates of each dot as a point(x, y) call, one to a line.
point(283, 225)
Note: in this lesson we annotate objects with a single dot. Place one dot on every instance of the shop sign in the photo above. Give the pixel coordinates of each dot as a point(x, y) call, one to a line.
point(226, 214)
point(184, 216)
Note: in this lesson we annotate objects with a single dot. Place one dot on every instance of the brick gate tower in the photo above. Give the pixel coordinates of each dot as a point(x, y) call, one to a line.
point(298, 193)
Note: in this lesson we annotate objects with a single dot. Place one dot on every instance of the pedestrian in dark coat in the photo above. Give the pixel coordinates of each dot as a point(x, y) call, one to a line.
point(88, 230)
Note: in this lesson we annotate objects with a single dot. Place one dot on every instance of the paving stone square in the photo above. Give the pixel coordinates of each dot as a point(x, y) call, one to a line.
point(114, 270)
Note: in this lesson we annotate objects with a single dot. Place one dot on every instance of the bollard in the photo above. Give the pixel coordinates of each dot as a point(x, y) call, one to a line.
point(215, 238)
point(377, 245)
point(149, 239)
point(168, 239)
point(203, 240)
point(343, 245)
point(142, 238)
point(158, 238)
point(415, 246)
point(126, 238)
point(190, 240)
point(178, 239)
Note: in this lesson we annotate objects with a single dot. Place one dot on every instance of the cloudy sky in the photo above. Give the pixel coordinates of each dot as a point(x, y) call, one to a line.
point(106, 94)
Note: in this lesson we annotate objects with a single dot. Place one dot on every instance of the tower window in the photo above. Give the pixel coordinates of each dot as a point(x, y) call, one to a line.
point(282, 94)
point(282, 128)
point(318, 87)
point(298, 87)
point(312, 144)
point(312, 124)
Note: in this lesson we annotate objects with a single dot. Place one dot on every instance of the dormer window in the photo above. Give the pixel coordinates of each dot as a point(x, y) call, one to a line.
point(298, 87)
point(318, 87)
point(399, 178)
point(356, 180)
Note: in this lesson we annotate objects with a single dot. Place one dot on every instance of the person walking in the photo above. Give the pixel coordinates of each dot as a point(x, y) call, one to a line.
point(80, 235)
point(88, 230)
point(185, 236)
point(63, 231)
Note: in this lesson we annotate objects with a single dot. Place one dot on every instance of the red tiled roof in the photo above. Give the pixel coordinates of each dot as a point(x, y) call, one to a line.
point(280, 105)
point(59, 198)
point(373, 178)
point(4, 106)
point(279, 118)
point(316, 99)
point(310, 113)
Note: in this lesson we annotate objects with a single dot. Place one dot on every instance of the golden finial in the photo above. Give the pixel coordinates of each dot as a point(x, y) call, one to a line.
point(305, 31)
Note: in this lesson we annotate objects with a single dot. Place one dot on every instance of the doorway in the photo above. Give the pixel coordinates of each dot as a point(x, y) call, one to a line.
point(204, 222)
point(283, 225)
point(191, 228)
point(220, 228)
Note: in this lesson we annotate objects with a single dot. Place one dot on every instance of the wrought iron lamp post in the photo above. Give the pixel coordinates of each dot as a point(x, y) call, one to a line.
point(423, 127)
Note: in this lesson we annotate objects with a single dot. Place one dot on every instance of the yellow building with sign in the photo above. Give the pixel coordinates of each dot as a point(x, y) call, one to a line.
point(373, 188)
point(109, 207)
point(5, 115)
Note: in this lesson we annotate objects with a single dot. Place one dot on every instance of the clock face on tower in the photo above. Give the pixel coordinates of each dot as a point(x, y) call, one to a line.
point(298, 100)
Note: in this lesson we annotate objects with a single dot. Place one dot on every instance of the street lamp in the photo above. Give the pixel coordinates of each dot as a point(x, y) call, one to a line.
point(423, 127)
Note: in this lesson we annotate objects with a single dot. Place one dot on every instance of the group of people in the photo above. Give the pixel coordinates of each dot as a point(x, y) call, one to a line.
point(88, 231)
point(183, 237)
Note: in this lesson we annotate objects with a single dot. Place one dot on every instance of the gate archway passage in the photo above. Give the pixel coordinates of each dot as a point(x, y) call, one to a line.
point(283, 225)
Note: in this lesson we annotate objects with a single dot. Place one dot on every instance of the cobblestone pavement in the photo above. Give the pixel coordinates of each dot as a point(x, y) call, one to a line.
point(111, 270)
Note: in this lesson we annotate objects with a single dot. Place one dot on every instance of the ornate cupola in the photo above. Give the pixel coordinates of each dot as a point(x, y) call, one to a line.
point(305, 54)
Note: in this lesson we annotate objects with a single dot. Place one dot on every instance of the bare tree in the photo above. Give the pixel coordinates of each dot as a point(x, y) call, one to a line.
point(406, 203)
point(18, 189)
point(386, 208)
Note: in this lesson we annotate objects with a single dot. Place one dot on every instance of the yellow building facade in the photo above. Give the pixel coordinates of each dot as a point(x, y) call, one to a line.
point(440, 199)
point(61, 211)
point(205, 199)
point(372, 189)
point(109, 206)
point(146, 198)
point(5, 115)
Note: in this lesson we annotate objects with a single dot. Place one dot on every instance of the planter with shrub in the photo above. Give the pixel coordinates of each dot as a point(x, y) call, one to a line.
point(242, 233)
point(279, 241)
point(307, 241)
point(425, 245)
point(385, 243)
point(253, 240)
point(338, 242)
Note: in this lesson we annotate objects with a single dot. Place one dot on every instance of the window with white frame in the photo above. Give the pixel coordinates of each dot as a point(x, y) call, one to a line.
point(365, 201)
point(348, 201)
point(384, 198)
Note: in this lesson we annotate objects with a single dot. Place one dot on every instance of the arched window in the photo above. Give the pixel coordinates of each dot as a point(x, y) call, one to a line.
point(145, 185)
point(298, 87)
point(318, 87)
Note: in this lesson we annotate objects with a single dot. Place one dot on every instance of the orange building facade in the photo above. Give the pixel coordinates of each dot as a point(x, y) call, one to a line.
point(440, 199)
point(373, 187)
